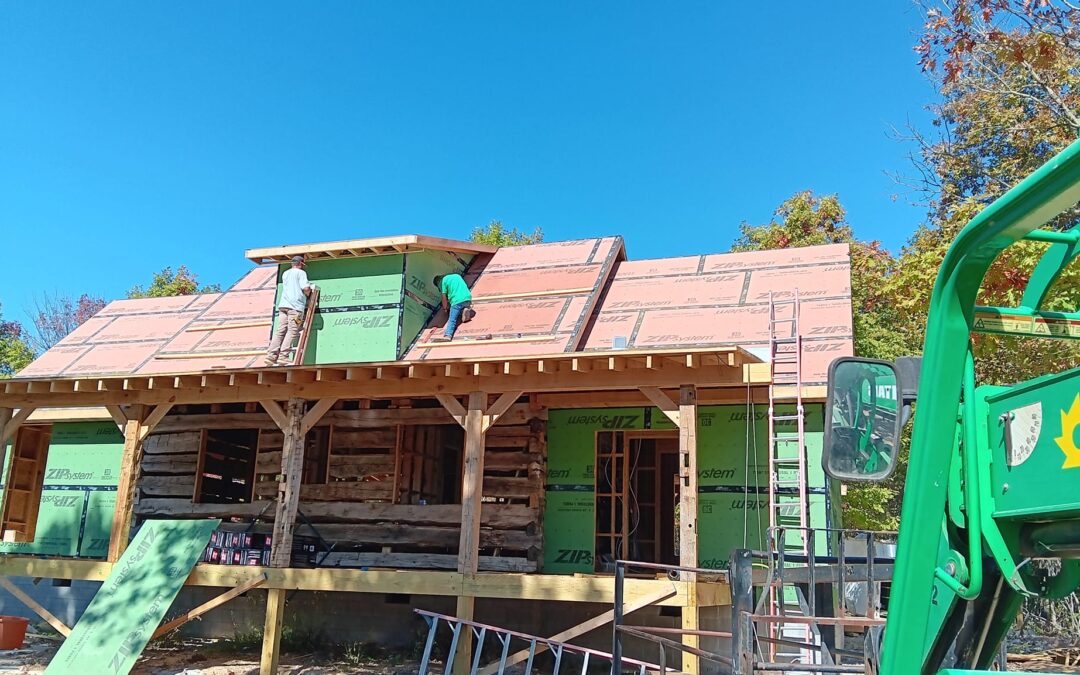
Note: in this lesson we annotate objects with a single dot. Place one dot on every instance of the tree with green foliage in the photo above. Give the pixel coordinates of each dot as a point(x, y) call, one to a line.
point(15, 353)
point(497, 234)
point(805, 219)
point(168, 283)
point(1008, 72)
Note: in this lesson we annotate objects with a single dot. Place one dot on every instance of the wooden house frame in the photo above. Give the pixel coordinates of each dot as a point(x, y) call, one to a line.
point(475, 394)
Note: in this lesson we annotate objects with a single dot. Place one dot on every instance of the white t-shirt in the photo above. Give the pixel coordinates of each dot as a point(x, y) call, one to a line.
point(293, 283)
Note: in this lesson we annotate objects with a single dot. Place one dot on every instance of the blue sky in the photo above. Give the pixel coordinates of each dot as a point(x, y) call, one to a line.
point(137, 135)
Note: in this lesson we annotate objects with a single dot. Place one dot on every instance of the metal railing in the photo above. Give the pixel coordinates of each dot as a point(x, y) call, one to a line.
point(799, 578)
point(654, 635)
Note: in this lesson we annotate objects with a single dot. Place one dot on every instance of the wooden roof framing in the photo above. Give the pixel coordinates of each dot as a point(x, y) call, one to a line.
point(564, 372)
point(354, 248)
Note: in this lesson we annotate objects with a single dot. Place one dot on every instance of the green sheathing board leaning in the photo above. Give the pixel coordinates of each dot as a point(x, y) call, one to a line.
point(114, 629)
point(372, 308)
point(732, 479)
point(79, 493)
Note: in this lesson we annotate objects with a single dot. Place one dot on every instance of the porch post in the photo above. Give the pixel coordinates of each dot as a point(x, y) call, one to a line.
point(688, 518)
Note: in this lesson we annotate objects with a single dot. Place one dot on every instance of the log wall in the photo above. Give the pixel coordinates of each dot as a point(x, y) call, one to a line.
point(389, 482)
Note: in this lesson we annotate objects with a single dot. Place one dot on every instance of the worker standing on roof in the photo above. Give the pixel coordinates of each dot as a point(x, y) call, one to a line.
point(457, 300)
point(295, 289)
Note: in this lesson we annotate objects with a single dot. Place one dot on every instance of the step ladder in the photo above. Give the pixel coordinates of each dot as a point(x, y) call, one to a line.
point(305, 328)
point(789, 504)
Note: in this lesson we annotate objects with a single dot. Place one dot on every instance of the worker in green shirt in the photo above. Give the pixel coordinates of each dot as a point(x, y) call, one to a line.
point(456, 299)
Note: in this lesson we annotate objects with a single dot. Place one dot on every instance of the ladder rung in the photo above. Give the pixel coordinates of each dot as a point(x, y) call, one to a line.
point(787, 417)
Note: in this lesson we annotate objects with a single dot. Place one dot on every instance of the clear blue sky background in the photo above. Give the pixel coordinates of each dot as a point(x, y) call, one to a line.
point(135, 135)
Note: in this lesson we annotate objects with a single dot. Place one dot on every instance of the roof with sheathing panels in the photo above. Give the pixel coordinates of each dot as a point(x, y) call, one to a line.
point(531, 300)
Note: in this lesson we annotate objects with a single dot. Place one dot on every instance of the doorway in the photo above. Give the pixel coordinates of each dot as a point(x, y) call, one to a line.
point(637, 496)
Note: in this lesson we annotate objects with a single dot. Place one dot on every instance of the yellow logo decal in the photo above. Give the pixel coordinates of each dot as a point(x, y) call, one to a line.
point(1069, 421)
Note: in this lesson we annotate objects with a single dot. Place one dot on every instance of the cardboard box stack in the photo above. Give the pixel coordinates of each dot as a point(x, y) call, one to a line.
point(253, 548)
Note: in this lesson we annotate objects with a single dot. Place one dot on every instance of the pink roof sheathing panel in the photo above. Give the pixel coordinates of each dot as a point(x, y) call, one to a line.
point(85, 331)
point(723, 299)
point(148, 305)
point(120, 358)
point(127, 336)
point(260, 277)
point(566, 280)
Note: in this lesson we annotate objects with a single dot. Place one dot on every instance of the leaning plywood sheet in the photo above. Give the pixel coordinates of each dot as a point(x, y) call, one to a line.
point(723, 299)
point(128, 607)
point(174, 334)
point(529, 300)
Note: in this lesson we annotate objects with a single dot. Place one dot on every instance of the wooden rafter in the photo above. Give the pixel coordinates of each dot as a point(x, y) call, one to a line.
point(585, 371)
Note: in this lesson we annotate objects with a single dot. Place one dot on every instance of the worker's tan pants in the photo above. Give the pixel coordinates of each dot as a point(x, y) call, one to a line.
point(288, 327)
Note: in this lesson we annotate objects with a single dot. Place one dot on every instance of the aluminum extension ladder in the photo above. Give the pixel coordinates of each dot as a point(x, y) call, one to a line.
point(532, 647)
point(789, 503)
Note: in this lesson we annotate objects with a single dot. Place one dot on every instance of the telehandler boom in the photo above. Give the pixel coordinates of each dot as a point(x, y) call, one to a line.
point(993, 483)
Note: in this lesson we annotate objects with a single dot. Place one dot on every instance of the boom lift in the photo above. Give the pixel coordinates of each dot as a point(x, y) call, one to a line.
point(993, 482)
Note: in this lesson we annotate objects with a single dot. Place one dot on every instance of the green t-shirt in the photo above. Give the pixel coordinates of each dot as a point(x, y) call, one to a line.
point(455, 290)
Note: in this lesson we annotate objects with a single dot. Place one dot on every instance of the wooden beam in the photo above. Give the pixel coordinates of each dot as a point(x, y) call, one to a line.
point(12, 425)
point(394, 383)
point(664, 403)
point(271, 648)
point(118, 416)
point(499, 407)
point(471, 497)
point(273, 409)
point(453, 406)
point(210, 604)
point(315, 414)
point(45, 614)
point(288, 496)
point(125, 487)
point(151, 421)
point(688, 520)
point(547, 587)
point(582, 628)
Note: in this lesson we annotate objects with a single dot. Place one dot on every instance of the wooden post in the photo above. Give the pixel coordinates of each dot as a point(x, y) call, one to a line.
point(688, 517)
point(275, 615)
point(288, 496)
point(472, 489)
point(476, 420)
point(295, 424)
point(139, 421)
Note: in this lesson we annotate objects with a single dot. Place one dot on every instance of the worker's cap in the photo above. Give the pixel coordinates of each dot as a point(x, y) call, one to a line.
point(298, 260)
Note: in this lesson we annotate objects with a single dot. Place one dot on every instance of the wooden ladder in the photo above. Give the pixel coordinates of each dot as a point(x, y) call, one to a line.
point(305, 329)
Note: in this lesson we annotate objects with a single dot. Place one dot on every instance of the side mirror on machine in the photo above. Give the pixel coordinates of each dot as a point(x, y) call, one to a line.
point(862, 420)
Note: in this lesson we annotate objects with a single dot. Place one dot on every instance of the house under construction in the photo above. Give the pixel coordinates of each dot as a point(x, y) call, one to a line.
point(592, 404)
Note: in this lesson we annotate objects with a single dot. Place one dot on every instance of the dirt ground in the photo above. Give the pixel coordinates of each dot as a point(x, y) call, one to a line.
point(205, 659)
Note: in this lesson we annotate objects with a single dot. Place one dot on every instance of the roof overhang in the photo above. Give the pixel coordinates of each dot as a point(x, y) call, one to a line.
point(355, 248)
point(580, 372)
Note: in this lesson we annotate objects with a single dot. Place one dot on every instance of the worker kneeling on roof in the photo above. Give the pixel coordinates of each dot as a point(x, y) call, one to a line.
point(457, 300)
point(295, 289)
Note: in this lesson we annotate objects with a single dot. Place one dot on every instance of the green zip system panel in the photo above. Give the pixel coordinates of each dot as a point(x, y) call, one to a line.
point(114, 629)
point(373, 308)
point(79, 493)
point(732, 480)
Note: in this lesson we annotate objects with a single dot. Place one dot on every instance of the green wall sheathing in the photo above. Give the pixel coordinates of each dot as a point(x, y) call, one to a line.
point(79, 494)
point(372, 308)
point(732, 479)
point(421, 267)
point(120, 620)
point(348, 337)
